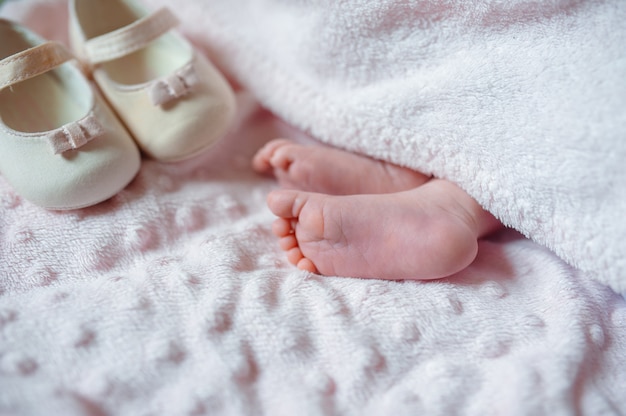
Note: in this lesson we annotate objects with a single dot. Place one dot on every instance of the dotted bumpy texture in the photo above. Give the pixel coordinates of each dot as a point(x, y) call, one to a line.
point(173, 299)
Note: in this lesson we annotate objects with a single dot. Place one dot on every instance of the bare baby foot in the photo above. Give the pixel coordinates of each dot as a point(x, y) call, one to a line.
point(332, 171)
point(424, 233)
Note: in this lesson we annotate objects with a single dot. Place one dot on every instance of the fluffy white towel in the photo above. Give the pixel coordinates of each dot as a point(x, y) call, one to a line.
point(522, 103)
point(173, 299)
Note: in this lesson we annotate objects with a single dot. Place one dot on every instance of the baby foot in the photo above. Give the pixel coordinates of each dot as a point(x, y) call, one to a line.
point(424, 233)
point(332, 171)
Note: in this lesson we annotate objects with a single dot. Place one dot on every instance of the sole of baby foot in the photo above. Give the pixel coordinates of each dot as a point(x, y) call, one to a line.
point(319, 168)
point(424, 233)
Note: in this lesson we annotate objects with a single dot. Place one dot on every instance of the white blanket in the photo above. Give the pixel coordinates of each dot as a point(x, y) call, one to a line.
point(522, 103)
point(173, 298)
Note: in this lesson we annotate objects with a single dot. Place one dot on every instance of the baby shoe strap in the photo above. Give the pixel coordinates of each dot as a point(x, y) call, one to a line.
point(131, 38)
point(32, 62)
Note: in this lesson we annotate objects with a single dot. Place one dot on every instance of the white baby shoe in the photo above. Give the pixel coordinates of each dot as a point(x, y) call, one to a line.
point(171, 98)
point(61, 147)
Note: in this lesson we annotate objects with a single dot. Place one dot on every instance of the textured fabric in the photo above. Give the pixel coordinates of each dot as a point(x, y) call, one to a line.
point(521, 103)
point(174, 299)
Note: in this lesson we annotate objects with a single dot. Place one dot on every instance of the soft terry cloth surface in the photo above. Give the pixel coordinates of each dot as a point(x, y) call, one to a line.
point(173, 299)
point(522, 103)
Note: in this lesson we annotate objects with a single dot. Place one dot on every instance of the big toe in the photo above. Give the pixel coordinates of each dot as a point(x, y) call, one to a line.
point(286, 203)
point(263, 161)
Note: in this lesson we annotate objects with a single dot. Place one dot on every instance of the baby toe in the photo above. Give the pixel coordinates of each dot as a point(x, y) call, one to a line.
point(282, 157)
point(307, 265)
point(282, 227)
point(294, 255)
point(285, 203)
point(288, 242)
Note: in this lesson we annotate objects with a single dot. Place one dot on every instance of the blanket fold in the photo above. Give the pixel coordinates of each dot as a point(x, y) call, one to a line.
point(173, 298)
point(520, 103)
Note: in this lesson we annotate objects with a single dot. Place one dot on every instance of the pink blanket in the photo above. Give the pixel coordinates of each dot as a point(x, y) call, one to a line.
point(173, 298)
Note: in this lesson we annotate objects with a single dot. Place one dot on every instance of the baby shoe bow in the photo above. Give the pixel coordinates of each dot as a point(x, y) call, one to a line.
point(74, 135)
point(174, 86)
